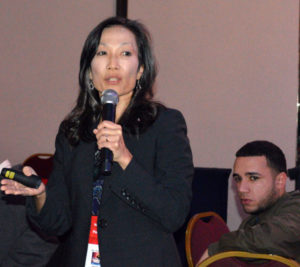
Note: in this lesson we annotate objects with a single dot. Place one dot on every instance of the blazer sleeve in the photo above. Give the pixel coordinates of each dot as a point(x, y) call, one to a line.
point(55, 216)
point(163, 195)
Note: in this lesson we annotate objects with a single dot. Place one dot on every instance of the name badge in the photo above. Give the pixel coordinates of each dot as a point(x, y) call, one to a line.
point(93, 254)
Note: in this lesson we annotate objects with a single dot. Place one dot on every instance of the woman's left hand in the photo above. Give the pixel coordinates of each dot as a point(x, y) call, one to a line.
point(110, 135)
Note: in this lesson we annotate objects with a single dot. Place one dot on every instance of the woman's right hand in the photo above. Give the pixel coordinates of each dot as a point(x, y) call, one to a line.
point(11, 187)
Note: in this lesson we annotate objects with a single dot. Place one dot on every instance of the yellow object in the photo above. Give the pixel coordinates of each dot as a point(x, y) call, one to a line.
point(10, 174)
point(243, 254)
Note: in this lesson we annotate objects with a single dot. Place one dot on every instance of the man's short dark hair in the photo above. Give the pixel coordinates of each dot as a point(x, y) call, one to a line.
point(274, 155)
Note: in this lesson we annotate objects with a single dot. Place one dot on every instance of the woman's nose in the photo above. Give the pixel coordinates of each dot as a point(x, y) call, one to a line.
point(113, 62)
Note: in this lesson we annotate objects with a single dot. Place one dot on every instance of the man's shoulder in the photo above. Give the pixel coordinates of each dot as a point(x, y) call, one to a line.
point(293, 196)
point(290, 201)
point(287, 205)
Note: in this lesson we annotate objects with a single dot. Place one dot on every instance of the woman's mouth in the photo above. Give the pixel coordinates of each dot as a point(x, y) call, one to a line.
point(113, 80)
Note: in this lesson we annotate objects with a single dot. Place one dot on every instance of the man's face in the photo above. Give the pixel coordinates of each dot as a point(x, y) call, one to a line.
point(255, 182)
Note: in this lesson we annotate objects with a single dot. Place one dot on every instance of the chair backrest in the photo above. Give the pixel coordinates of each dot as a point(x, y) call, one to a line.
point(232, 258)
point(210, 193)
point(42, 163)
point(203, 229)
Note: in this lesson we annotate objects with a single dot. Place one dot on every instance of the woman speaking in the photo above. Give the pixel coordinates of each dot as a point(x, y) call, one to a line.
point(125, 218)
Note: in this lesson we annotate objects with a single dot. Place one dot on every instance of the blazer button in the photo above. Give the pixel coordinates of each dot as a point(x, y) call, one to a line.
point(102, 223)
point(123, 191)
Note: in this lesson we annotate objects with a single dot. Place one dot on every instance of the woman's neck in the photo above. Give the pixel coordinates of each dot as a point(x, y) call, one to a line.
point(122, 106)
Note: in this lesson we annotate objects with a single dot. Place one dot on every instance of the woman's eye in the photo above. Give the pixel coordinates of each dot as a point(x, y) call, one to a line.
point(101, 53)
point(126, 53)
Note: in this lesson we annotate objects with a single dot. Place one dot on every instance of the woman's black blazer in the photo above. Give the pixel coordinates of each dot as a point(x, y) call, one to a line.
point(141, 206)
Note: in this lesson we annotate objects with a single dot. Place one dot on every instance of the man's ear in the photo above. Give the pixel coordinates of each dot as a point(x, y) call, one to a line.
point(280, 180)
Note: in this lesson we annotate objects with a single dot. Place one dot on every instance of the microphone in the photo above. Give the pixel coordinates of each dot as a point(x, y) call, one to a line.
point(32, 181)
point(109, 101)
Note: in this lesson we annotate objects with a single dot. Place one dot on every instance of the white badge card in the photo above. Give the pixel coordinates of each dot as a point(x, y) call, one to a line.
point(93, 254)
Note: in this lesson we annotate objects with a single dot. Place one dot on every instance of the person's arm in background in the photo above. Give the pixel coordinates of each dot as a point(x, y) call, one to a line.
point(204, 256)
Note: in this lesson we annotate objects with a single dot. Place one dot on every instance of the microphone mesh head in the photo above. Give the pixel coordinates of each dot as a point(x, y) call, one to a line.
point(109, 96)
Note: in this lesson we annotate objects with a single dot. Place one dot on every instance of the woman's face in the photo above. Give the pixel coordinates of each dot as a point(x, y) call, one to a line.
point(115, 65)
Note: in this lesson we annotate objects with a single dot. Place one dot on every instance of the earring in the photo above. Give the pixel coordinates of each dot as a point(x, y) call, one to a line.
point(91, 85)
point(138, 86)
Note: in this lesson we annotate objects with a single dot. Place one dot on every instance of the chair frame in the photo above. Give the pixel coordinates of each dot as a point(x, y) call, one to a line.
point(189, 230)
point(40, 155)
point(43, 158)
point(243, 254)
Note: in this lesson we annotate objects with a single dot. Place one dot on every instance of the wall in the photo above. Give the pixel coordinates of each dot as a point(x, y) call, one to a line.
point(40, 46)
point(230, 66)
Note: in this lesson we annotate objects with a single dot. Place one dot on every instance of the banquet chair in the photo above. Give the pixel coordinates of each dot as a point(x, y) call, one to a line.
point(42, 163)
point(203, 228)
point(207, 227)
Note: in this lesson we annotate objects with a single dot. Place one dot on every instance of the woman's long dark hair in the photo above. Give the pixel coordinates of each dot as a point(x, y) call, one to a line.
point(141, 111)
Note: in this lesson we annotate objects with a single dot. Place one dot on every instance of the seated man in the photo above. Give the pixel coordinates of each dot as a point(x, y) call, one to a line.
point(273, 226)
point(20, 243)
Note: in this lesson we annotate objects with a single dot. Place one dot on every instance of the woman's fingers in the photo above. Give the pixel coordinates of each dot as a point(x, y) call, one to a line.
point(28, 171)
point(110, 135)
point(11, 187)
